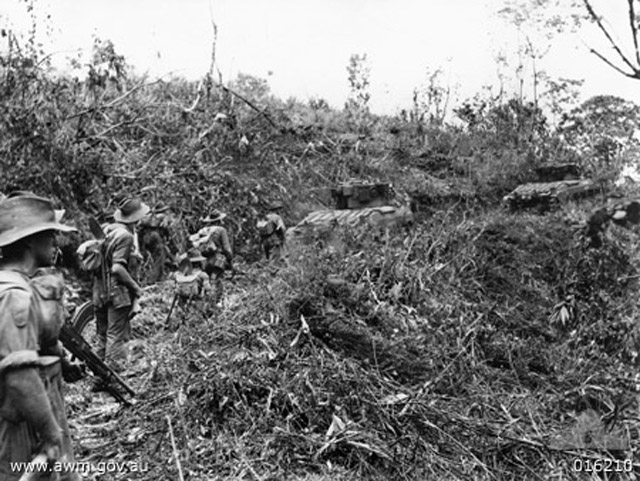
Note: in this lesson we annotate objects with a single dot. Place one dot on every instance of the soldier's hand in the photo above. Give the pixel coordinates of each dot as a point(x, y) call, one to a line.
point(52, 451)
point(135, 309)
point(52, 441)
point(71, 371)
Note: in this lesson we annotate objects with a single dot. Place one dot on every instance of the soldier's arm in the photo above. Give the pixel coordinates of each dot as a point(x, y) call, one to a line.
point(206, 283)
point(27, 395)
point(122, 274)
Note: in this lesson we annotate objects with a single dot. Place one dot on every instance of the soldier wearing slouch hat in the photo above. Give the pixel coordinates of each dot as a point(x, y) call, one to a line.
point(117, 291)
point(32, 361)
point(213, 242)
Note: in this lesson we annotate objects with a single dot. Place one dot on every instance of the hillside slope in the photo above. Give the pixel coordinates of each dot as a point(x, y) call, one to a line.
point(492, 347)
point(478, 344)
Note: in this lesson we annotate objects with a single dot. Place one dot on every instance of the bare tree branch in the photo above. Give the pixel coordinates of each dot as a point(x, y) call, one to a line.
point(596, 18)
point(535, 71)
point(113, 102)
point(634, 75)
point(213, 67)
point(250, 104)
point(213, 46)
point(634, 30)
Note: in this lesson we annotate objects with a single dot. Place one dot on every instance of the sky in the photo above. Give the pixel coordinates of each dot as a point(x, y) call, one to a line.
point(302, 47)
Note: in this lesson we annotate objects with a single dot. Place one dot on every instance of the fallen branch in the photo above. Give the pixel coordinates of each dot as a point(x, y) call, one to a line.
point(196, 101)
point(175, 449)
point(251, 105)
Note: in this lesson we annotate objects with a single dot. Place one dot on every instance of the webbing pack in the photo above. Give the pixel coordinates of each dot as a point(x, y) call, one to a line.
point(187, 286)
point(266, 227)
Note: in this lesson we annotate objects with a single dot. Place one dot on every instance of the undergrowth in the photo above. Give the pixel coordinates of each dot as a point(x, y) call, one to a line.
point(476, 345)
point(434, 354)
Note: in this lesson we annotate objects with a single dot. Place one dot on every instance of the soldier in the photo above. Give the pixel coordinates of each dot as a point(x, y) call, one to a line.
point(32, 361)
point(156, 235)
point(213, 240)
point(193, 287)
point(116, 291)
point(272, 233)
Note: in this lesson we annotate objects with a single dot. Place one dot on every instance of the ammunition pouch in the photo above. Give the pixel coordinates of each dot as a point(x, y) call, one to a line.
point(119, 296)
point(272, 241)
point(217, 262)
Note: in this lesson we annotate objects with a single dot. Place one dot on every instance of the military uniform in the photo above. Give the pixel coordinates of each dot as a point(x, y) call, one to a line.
point(28, 337)
point(273, 244)
point(192, 284)
point(272, 233)
point(31, 315)
point(214, 243)
point(155, 237)
point(114, 301)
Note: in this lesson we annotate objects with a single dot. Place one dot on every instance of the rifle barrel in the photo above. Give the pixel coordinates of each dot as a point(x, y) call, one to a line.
point(81, 349)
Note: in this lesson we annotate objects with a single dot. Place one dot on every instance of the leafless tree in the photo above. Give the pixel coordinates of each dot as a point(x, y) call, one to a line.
point(630, 64)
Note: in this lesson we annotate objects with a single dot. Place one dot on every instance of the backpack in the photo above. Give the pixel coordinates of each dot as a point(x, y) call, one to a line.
point(203, 238)
point(44, 306)
point(187, 287)
point(265, 227)
point(91, 255)
point(209, 247)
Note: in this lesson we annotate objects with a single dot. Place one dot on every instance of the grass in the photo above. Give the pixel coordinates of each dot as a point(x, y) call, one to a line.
point(434, 354)
point(477, 345)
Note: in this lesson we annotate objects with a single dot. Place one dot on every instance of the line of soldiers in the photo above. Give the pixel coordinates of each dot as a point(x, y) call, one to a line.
point(212, 241)
point(199, 279)
point(32, 359)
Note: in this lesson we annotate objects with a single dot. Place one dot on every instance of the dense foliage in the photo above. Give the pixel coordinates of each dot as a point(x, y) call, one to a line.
point(464, 347)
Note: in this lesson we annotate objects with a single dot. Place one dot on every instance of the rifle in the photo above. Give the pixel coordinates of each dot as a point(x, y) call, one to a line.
point(173, 304)
point(81, 349)
point(39, 465)
point(34, 468)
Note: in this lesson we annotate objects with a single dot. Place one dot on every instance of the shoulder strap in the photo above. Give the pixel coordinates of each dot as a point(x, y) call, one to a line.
point(108, 246)
point(109, 242)
point(48, 285)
